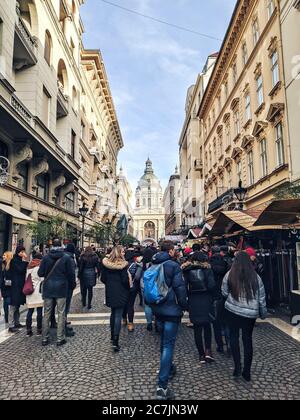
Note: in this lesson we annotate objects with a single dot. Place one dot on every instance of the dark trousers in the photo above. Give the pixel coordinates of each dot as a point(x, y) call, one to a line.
point(198, 333)
point(86, 291)
point(217, 325)
point(39, 318)
point(115, 320)
point(129, 308)
point(68, 301)
point(52, 317)
point(237, 323)
point(6, 303)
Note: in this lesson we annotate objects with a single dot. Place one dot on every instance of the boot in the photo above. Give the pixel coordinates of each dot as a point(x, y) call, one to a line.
point(209, 357)
point(130, 327)
point(115, 344)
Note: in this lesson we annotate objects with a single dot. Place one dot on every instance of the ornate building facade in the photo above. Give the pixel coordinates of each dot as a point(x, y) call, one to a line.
point(58, 125)
point(173, 204)
point(149, 214)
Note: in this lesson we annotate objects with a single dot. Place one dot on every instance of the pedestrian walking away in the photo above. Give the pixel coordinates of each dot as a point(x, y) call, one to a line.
point(89, 270)
point(169, 313)
point(245, 302)
point(201, 285)
point(117, 288)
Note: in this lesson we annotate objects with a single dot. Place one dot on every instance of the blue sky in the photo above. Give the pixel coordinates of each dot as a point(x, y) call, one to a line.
point(150, 66)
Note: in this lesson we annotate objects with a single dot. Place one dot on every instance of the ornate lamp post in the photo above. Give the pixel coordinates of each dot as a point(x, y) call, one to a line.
point(83, 212)
point(4, 166)
point(240, 194)
point(108, 224)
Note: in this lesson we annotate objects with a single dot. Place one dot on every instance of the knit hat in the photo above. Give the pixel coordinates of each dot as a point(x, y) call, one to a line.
point(19, 249)
point(70, 248)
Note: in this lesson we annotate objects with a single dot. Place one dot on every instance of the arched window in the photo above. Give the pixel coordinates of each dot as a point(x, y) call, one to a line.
point(149, 230)
point(62, 76)
point(48, 47)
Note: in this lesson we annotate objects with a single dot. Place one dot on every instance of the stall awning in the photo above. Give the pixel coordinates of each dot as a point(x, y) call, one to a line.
point(17, 216)
point(232, 221)
point(280, 212)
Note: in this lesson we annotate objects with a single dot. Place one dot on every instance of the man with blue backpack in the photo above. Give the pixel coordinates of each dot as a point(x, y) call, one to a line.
point(165, 292)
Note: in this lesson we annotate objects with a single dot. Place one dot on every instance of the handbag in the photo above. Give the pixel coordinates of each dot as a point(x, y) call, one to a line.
point(28, 288)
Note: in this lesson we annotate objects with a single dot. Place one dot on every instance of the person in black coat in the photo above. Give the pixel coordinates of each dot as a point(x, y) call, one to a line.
point(220, 267)
point(169, 313)
point(89, 270)
point(17, 298)
point(58, 270)
point(116, 279)
point(201, 285)
point(5, 281)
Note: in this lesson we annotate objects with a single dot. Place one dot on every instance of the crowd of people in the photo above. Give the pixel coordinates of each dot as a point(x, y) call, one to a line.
point(219, 287)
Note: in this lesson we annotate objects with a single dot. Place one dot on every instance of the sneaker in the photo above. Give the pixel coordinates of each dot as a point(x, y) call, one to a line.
point(13, 330)
point(39, 332)
point(246, 376)
point(209, 357)
point(202, 360)
point(19, 326)
point(130, 327)
point(164, 394)
point(45, 343)
point(61, 343)
point(29, 333)
point(149, 327)
point(70, 333)
point(89, 307)
point(237, 373)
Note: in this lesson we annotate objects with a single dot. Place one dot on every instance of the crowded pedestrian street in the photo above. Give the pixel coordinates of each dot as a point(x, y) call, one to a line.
point(87, 369)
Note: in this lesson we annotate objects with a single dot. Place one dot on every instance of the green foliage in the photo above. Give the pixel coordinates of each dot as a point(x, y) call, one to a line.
point(128, 239)
point(291, 191)
point(43, 231)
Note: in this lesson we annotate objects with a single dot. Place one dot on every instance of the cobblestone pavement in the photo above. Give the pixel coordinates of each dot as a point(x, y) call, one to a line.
point(86, 368)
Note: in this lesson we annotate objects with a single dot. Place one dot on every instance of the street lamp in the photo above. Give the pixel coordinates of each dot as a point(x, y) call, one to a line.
point(83, 212)
point(240, 194)
point(108, 225)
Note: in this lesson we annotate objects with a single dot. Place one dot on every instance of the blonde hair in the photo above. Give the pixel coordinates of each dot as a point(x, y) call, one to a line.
point(9, 256)
point(116, 254)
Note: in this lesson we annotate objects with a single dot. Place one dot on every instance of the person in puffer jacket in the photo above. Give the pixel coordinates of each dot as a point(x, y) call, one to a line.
point(169, 313)
point(35, 300)
point(245, 302)
point(89, 270)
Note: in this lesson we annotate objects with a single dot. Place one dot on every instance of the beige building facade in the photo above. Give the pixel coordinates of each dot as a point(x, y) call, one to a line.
point(290, 30)
point(243, 118)
point(172, 204)
point(124, 198)
point(190, 152)
point(58, 125)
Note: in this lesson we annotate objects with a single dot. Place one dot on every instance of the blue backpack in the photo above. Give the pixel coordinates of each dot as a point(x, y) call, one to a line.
point(155, 286)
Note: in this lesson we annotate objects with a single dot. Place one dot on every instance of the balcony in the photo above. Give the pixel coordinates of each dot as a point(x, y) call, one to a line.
point(94, 151)
point(62, 109)
point(225, 198)
point(25, 46)
point(21, 109)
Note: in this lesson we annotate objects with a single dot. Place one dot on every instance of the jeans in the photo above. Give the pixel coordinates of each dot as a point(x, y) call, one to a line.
point(13, 316)
point(129, 308)
point(86, 291)
point(198, 331)
point(237, 323)
point(61, 311)
point(167, 345)
point(39, 318)
point(148, 314)
point(115, 320)
point(68, 301)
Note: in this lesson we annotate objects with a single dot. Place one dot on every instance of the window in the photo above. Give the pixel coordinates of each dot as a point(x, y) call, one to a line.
point(229, 178)
point(48, 47)
point(264, 158)
point(239, 170)
point(210, 158)
point(234, 73)
point(275, 68)
point(74, 98)
point(279, 144)
point(219, 103)
point(23, 174)
point(271, 8)
point(220, 141)
point(46, 107)
point(73, 144)
point(82, 131)
point(3, 150)
point(245, 53)
point(214, 151)
point(251, 168)
point(248, 114)
point(237, 124)
point(227, 134)
point(72, 46)
point(70, 202)
point(255, 31)
point(260, 90)
point(42, 187)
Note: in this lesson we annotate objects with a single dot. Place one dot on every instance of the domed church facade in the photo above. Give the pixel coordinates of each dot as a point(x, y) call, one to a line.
point(149, 213)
